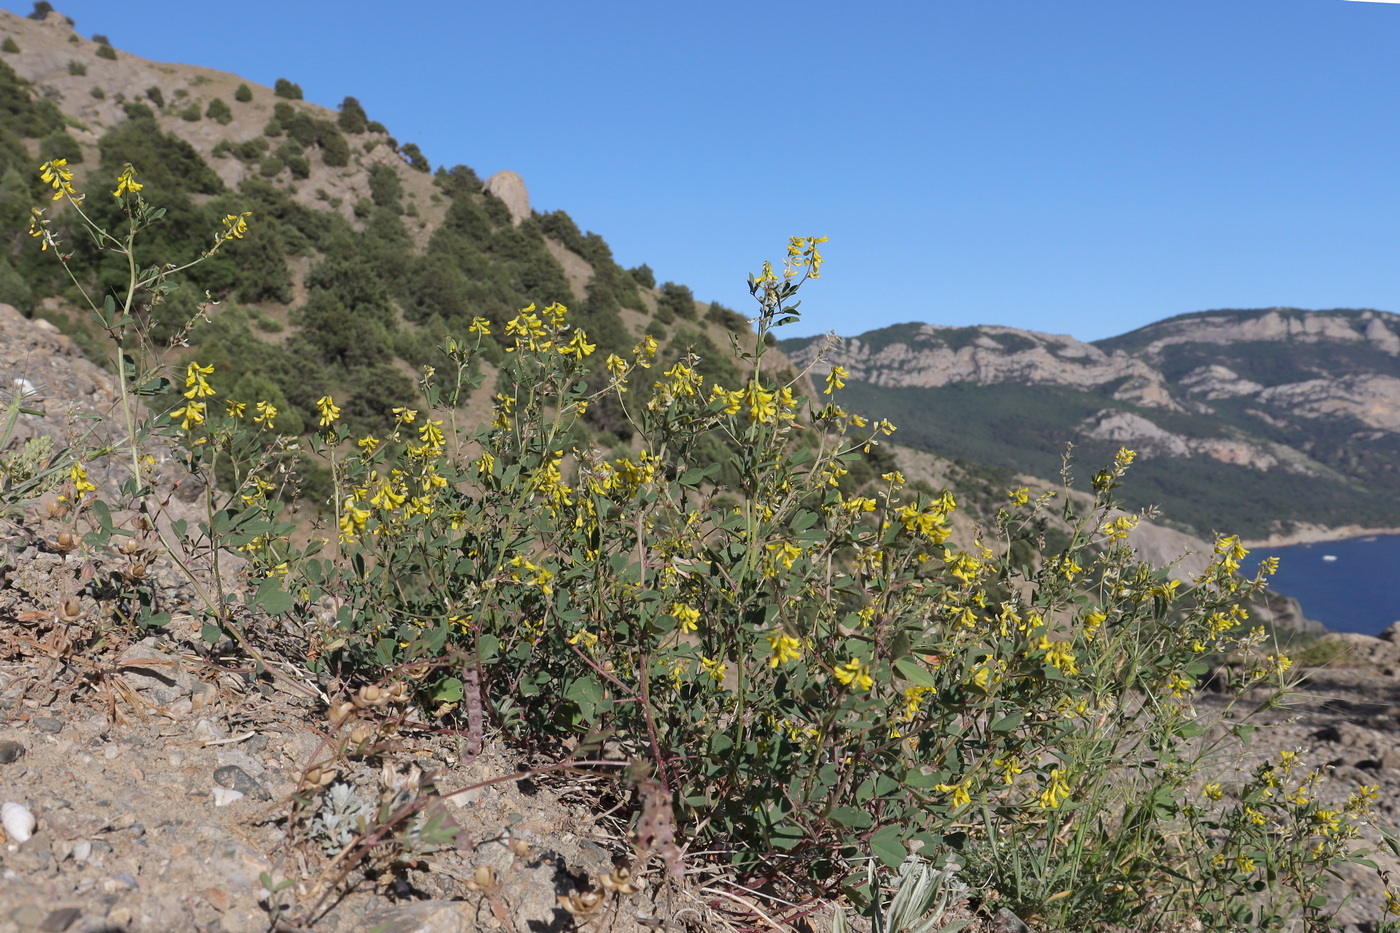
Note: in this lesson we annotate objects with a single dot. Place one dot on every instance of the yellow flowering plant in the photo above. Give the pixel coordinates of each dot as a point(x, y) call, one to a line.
point(814, 674)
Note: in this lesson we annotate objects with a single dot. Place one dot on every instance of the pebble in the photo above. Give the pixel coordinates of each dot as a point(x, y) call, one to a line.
point(82, 850)
point(224, 796)
point(27, 916)
point(206, 731)
point(60, 920)
point(10, 751)
point(47, 724)
point(235, 778)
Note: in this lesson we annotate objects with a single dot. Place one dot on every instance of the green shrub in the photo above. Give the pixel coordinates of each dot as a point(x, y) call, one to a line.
point(101, 39)
point(643, 276)
point(42, 8)
point(352, 117)
point(271, 165)
point(805, 678)
point(76, 68)
point(98, 93)
point(335, 151)
point(219, 111)
point(191, 114)
point(154, 95)
point(60, 145)
point(415, 157)
point(385, 187)
point(9, 45)
point(677, 299)
point(285, 88)
point(273, 127)
point(243, 94)
point(106, 51)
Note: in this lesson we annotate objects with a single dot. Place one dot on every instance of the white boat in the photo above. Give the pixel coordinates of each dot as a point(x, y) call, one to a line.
point(1329, 556)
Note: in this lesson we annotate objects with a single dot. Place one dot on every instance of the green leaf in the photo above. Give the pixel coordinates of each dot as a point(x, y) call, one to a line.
point(448, 690)
point(1008, 722)
point(914, 672)
point(1189, 730)
point(888, 846)
point(272, 598)
point(851, 817)
point(211, 633)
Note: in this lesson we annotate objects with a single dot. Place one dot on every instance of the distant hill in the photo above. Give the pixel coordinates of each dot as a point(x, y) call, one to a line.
point(1262, 422)
point(361, 257)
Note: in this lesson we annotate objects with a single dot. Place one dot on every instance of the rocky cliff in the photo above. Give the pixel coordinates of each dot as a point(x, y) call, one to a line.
point(1296, 413)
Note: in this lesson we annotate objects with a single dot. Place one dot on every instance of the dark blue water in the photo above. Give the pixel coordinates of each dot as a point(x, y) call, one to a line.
point(1359, 591)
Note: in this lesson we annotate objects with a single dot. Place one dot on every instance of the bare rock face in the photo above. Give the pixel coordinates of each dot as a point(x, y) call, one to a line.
point(510, 188)
point(939, 356)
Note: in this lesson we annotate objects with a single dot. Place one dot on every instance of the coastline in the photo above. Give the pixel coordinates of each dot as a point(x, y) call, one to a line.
point(1313, 534)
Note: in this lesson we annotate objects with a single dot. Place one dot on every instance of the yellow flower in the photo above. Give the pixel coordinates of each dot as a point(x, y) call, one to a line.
point(196, 386)
point(578, 347)
point(235, 225)
point(1055, 792)
point(856, 673)
point(190, 415)
point(126, 181)
point(687, 617)
point(1010, 767)
point(835, 379)
point(266, 414)
point(235, 409)
point(617, 366)
point(784, 648)
point(78, 474)
point(762, 408)
point(485, 464)
point(57, 175)
point(715, 669)
point(430, 433)
point(1212, 791)
point(405, 415)
point(644, 351)
point(328, 409)
point(369, 443)
point(961, 791)
point(479, 325)
point(1244, 864)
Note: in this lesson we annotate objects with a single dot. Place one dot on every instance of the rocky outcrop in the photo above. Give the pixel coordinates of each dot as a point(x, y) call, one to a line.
point(937, 356)
point(510, 188)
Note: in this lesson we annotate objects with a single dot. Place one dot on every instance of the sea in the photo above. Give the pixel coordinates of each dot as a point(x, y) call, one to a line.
point(1352, 585)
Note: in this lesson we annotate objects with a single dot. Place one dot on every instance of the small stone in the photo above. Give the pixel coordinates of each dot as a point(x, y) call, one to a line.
point(206, 731)
point(10, 751)
point(82, 850)
point(202, 694)
point(423, 917)
point(235, 778)
point(27, 916)
point(256, 744)
point(60, 919)
point(47, 724)
point(223, 796)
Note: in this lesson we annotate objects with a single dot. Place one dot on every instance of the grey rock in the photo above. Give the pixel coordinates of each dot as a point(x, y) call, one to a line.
point(1007, 922)
point(60, 919)
point(423, 917)
point(510, 188)
point(27, 917)
point(10, 751)
point(47, 724)
point(235, 778)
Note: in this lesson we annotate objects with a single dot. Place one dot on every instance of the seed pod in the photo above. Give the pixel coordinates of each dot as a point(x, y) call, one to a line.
point(70, 609)
point(340, 712)
point(18, 821)
point(370, 695)
point(620, 880)
point(582, 905)
point(67, 541)
point(317, 777)
point(56, 511)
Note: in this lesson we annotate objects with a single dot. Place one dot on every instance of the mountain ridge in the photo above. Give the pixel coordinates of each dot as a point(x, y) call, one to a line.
point(1280, 404)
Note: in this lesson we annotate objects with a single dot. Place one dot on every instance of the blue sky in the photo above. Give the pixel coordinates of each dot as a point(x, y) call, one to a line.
point(1075, 166)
